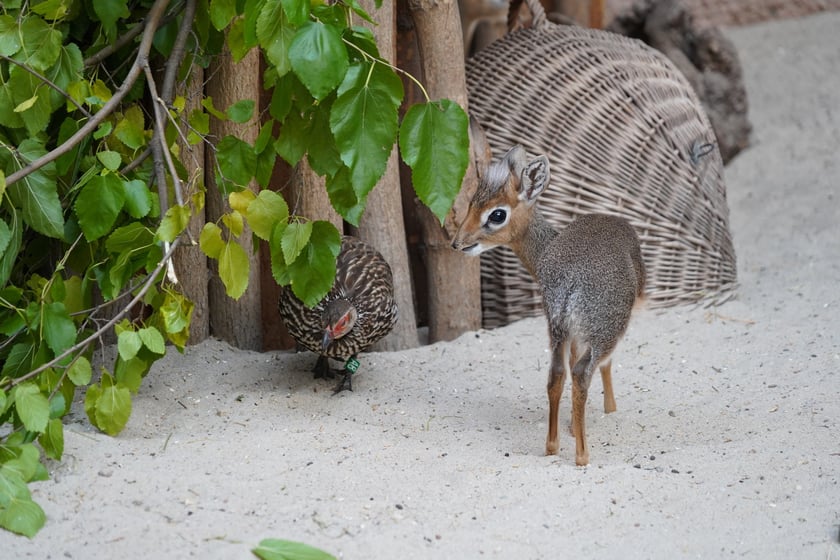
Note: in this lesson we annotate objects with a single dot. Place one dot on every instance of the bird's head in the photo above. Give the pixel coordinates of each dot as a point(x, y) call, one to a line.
point(338, 319)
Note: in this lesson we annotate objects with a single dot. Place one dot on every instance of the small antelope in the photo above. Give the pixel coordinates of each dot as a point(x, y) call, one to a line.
point(591, 274)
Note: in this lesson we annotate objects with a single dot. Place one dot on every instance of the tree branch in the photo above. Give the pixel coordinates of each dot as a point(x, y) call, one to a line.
point(153, 20)
point(125, 39)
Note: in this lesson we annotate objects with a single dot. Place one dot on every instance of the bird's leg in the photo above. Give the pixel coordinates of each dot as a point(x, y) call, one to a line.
point(350, 368)
point(322, 368)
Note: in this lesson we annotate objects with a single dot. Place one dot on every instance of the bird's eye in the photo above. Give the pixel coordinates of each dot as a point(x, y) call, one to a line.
point(497, 216)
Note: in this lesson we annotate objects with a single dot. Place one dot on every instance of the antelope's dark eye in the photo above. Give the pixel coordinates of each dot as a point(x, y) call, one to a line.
point(497, 216)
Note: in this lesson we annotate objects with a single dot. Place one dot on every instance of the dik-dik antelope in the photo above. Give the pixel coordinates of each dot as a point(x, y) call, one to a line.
point(591, 274)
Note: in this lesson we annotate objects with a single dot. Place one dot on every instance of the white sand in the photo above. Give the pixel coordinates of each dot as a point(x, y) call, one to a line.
point(726, 442)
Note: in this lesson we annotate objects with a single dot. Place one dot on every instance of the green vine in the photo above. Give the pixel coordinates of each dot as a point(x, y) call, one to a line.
point(94, 199)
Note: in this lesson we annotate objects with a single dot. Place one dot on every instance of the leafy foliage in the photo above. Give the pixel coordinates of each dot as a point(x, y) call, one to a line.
point(94, 198)
point(278, 549)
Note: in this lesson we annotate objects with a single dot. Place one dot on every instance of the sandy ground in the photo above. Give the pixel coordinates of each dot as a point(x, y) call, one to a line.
point(726, 442)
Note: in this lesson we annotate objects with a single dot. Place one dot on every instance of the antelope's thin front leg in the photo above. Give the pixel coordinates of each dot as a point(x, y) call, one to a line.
point(556, 380)
point(606, 377)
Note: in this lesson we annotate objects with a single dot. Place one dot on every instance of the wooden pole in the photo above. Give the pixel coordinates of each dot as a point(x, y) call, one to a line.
point(239, 322)
point(382, 224)
point(454, 282)
point(190, 262)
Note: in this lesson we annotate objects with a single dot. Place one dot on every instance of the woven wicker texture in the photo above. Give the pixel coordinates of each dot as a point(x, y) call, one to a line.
point(626, 135)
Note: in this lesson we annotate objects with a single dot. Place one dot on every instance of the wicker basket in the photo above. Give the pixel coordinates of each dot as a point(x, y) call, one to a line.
point(625, 134)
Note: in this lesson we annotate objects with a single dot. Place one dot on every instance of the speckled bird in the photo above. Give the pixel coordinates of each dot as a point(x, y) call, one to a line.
point(358, 311)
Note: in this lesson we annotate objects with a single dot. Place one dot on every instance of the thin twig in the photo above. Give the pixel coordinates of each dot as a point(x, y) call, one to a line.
point(161, 150)
point(48, 82)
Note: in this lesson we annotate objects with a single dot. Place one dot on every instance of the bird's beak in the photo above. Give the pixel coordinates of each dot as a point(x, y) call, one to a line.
point(327, 340)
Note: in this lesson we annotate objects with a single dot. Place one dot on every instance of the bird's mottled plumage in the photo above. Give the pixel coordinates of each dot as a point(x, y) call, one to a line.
point(363, 282)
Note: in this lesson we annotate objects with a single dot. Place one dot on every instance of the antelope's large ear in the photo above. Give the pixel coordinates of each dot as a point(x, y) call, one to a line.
point(516, 158)
point(534, 179)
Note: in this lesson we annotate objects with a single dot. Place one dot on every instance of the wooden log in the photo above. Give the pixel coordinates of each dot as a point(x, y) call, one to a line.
point(190, 262)
point(454, 282)
point(239, 322)
point(382, 224)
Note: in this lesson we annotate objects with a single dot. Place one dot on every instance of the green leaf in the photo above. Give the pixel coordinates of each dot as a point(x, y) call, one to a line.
point(281, 97)
point(68, 69)
point(434, 142)
point(32, 407)
point(59, 328)
point(234, 222)
point(8, 117)
point(241, 111)
point(8, 257)
point(19, 360)
point(221, 13)
point(22, 516)
point(176, 312)
point(153, 340)
point(322, 151)
point(27, 104)
point(111, 160)
point(41, 43)
point(295, 238)
point(80, 371)
point(277, 549)
point(109, 12)
point(364, 120)
point(237, 160)
point(51, 9)
point(275, 36)
point(9, 35)
point(113, 409)
point(266, 212)
point(176, 220)
point(318, 57)
point(128, 344)
point(234, 269)
point(360, 11)
point(236, 40)
point(98, 205)
point(23, 465)
point(199, 126)
point(138, 199)
point(5, 236)
point(129, 373)
point(37, 194)
point(103, 130)
point(344, 198)
point(293, 139)
point(207, 103)
point(252, 11)
point(58, 406)
point(313, 272)
point(296, 10)
point(52, 440)
point(211, 241)
point(131, 237)
point(130, 129)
